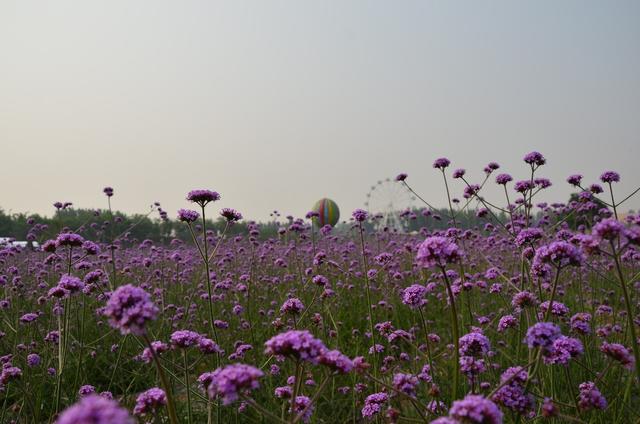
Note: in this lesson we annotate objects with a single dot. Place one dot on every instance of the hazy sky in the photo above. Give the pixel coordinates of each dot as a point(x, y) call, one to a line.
point(277, 103)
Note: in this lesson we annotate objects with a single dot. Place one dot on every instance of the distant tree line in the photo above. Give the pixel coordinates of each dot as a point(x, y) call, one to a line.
point(105, 226)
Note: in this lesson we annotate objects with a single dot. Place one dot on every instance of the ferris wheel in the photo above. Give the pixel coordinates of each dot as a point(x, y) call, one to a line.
point(386, 200)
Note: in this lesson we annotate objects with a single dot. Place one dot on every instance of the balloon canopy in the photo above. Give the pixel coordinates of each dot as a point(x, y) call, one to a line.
point(328, 211)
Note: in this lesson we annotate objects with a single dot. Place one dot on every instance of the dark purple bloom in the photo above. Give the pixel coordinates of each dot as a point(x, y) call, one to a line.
point(441, 163)
point(373, 404)
point(297, 343)
point(562, 350)
point(405, 383)
point(514, 397)
point(590, 397)
point(503, 179)
point(69, 239)
point(559, 253)
point(619, 353)
point(523, 186)
point(150, 401)
point(230, 382)
point(437, 251)
point(95, 409)
point(187, 215)
point(33, 360)
point(202, 197)
point(413, 295)
point(335, 360)
point(476, 409)
point(360, 215)
point(86, 390)
point(575, 179)
point(474, 344)
point(542, 334)
point(534, 158)
point(558, 309)
point(28, 318)
point(129, 309)
point(90, 248)
point(458, 173)
point(292, 306)
point(610, 177)
point(185, 338)
point(608, 229)
point(231, 215)
point(507, 321)
point(580, 323)
point(523, 300)
point(302, 405)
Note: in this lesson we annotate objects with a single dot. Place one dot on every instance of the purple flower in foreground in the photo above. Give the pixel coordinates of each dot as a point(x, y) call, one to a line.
point(474, 344)
point(337, 361)
point(534, 158)
point(445, 420)
point(476, 409)
point(28, 318)
point(185, 338)
point(230, 382)
point(542, 334)
point(129, 309)
point(580, 323)
point(574, 180)
point(405, 383)
point(292, 306)
point(514, 375)
point(33, 360)
point(302, 404)
point(95, 409)
point(413, 295)
point(187, 215)
point(373, 404)
point(69, 239)
point(523, 186)
point(149, 401)
point(458, 173)
point(507, 321)
point(158, 348)
point(297, 343)
point(558, 309)
point(523, 300)
point(590, 397)
point(360, 215)
point(608, 229)
point(86, 390)
point(559, 253)
point(108, 191)
point(619, 353)
point(441, 163)
point(610, 177)
point(437, 251)
point(503, 179)
point(562, 350)
point(202, 197)
point(231, 215)
point(401, 177)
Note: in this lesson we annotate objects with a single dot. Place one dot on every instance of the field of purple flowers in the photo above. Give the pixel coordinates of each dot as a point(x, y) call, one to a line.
point(532, 316)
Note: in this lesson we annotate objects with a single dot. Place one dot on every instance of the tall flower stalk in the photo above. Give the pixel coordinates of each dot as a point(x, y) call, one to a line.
point(437, 252)
point(360, 216)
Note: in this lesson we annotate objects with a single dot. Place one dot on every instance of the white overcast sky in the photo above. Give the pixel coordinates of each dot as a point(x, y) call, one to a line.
point(277, 103)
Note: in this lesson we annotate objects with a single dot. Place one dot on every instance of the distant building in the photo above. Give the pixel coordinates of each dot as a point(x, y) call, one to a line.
point(10, 241)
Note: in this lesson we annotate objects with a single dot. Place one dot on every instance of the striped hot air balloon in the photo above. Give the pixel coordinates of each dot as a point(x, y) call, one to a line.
point(329, 212)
